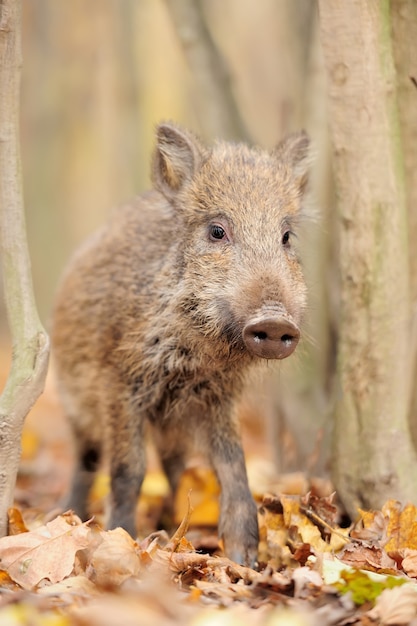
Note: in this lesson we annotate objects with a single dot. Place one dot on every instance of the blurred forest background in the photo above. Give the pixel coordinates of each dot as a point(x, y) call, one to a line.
point(98, 75)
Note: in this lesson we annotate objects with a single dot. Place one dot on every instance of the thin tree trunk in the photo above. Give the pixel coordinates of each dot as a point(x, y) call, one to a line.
point(30, 342)
point(373, 458)
point(404, 33)
point(215, 103)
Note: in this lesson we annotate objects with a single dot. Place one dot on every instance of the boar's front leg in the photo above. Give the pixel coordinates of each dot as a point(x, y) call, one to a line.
point(238, 525)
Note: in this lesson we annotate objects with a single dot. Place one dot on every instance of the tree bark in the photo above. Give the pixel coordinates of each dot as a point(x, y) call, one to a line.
point(30, 342)
point(404, 33)
point(373, 458)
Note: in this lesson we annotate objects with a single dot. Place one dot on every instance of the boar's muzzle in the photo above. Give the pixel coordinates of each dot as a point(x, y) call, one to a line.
point(271, 337)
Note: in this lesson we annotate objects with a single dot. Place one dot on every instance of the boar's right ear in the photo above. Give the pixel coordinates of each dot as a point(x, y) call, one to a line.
point(295, 151)
point(177, 156)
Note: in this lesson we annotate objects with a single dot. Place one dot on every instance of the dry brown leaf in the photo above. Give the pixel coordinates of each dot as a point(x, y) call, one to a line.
point(409, 562)
point(155, 601)
point(180, 561)
point(307, 530)
point(115, 558)
point(395, 606)
point(49, 552)
point(71, 587)
point(247, 574)
point(110, 610)
point(303, 577)
point(322, 507)
point(372, 526)
point(178, 536)
point(370, 557)
point(223, 590)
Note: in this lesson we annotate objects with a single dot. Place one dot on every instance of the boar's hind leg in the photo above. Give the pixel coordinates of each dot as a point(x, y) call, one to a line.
point(127, 455)
point(238, 525)
point(173, 465)
point(88, 459)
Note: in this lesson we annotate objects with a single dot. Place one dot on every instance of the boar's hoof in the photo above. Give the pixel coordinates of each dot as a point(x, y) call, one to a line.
point(271, 337)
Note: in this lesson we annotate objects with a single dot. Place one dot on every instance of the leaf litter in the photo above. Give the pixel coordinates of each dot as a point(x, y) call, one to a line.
point(311, 571)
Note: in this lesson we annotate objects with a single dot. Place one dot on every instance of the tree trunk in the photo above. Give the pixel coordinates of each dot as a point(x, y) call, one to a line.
point(30, 342)
point(214, 100)
point(404, 32)
point(373, 458)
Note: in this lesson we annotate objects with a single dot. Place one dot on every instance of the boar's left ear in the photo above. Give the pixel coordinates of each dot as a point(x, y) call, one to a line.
point(177, 156)
point(294, 151)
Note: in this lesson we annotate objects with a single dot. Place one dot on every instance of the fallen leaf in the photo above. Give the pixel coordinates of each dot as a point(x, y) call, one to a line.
point(49, 552)
point(372, 526)
point(73, 586)
point(323, 508)
point(396, 606)
point(409, 562)
point(402, 526)
point(26, 613)
point(368, 556)
point(155, 485)
point(16, 525)
point(363, 588)
point(205, 492)
point(6, 582)
point(290, 617)
point(30, 444)
point(115, 558)
point(179, 534)
point(155, 601)
point(303, 577)
point(306, 529)
point(100, 488)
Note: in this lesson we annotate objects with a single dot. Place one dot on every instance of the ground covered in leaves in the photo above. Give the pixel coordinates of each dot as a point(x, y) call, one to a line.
point(57, 570)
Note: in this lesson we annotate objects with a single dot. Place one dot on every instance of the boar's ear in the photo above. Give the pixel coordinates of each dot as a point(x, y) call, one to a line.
point(294, 151)
point(177, 156)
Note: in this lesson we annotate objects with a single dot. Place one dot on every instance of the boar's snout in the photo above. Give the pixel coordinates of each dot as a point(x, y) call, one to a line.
point(271, 337)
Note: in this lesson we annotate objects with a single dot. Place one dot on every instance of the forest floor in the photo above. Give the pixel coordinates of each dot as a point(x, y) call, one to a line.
point(58, 571)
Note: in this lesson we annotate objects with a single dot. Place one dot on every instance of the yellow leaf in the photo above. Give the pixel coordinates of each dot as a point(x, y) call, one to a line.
point(402, 526)
point(205, 493)
point(367, 517)
point(22, 614)
point(155, 485)
point(30, 444)
point(100, 488)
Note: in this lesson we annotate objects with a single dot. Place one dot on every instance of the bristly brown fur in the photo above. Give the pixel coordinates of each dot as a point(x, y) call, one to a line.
point(148, 320)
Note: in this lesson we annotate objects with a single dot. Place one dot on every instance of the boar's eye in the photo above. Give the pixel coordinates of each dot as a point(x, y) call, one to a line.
point(217, 232)
point(286, 237)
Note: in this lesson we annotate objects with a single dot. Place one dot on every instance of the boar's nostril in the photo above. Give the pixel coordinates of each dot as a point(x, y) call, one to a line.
point(260, 336)
point(271, 337)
